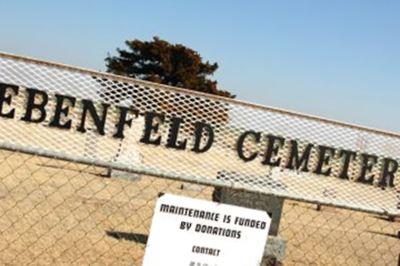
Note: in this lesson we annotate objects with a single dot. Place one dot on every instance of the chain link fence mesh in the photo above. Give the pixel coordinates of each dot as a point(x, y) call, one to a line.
point(59, 205)
point(56, 212)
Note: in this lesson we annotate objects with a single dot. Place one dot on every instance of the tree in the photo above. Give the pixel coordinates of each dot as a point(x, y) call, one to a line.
point(162, 62)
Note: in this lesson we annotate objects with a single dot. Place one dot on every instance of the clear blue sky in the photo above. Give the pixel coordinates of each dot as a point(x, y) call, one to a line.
point(336, 59)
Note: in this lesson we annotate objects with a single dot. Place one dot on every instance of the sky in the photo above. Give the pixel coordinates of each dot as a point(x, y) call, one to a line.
point(336, 59)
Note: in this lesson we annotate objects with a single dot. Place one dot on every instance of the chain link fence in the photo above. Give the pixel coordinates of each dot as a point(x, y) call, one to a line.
point(55, 212)
point(60, 203)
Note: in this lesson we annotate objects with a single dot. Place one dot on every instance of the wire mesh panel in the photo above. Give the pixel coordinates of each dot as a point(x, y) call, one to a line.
point(62, 129)
point(166, 131)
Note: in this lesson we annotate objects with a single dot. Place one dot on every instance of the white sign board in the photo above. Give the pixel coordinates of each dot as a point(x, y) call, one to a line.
point(192, 232)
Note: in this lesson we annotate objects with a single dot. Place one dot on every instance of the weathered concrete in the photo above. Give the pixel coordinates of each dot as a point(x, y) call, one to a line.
point(275, 247)
point(274, 251)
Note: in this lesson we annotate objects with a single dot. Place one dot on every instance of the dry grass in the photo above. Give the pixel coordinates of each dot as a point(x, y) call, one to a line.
point(55, 212)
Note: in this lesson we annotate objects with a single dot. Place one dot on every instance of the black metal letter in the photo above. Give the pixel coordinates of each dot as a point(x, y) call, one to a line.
point(347, 156)
point(294, 161)
point(31, 105)
point(123, 113)
point(200, 127)
point(274, 143)
point(7, 99)
point(150, 128)
point(368, 162)
point(323, 159)
point(256, 136)
point(388, 173)
point(98, 121)
point(173, 135)
point(62, 110)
